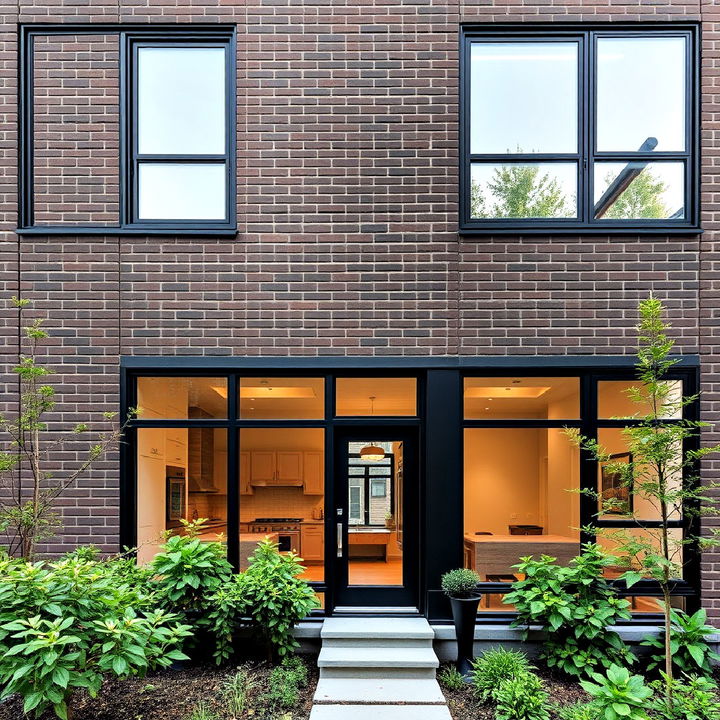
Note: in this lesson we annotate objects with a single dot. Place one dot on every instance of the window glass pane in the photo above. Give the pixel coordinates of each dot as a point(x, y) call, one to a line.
point(522, 397)
point(519, 498)
point(639, 190)
point(270, 398)
point(512, 82)
point(181, 100)
point(181, 191)
point(622, 477)
point(523, 190)
point(181, 397)
point(282, 493)
point(610, 540)
point(615, 399)
point(376, 396)
point(181, 475)
point(641, 93)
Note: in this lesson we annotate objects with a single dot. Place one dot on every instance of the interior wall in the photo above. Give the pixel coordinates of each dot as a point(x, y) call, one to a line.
point(501, 478)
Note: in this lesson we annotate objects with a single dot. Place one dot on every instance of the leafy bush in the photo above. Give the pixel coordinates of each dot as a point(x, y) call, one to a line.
point(451, 678)
point(688, 643)
point(617, 695)
point(271, 594)
point(189, 570)
point(574, 605)
point(578, 711)
point(521, 698)
point(285, 682)
point(494, 667)
point(693, 698)
point(65, 625)
point(460, 583)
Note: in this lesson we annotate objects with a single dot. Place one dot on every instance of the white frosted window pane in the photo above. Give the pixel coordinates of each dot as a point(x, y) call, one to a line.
point(181, 101)
point(641, 93)
point(181, 191)
point(524, 97)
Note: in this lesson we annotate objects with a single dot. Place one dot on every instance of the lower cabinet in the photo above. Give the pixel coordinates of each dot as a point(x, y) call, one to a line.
point(312, 543)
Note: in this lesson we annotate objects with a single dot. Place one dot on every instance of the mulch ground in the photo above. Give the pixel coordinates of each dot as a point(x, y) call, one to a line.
point(172, 695)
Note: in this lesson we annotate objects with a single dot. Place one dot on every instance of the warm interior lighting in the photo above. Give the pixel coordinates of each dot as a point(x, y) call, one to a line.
point(264, 392)
point(488, 393)
point(372, 453)
point(221, 390)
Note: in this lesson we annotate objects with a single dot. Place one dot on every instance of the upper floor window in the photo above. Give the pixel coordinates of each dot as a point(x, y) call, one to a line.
point(127, 130)
point(579, 129)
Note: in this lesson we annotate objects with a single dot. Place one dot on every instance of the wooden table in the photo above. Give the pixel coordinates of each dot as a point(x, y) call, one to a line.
point(496, 554)
point(380, 536)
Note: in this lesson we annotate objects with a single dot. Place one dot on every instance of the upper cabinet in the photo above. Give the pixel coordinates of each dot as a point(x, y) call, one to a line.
point(283, 468)
point(313, 475)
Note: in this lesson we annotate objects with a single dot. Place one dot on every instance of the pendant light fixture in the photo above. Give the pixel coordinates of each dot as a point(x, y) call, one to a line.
point(372, 453)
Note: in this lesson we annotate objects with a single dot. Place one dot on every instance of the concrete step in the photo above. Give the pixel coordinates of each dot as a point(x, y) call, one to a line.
point(383, 691)
point(370, 629)
point(380, 712)
point(363, 661)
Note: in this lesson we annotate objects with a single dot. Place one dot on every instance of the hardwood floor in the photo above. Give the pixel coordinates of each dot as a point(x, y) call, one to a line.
point(364, 572)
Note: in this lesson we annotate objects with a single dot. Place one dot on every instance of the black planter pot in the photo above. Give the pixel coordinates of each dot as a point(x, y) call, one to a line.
point(464, 611)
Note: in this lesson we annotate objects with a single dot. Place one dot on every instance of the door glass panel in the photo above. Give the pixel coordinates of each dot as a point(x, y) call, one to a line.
point(523, 190)
point(511, 82)
point(641, 93)
point(507, 398)
point(374, 491)
point(376, 396)
point(177, 398)
point(615, 399)
point(519, 503)
point(181, 475)
point(282, 398)
point(282, 494)
point(181, 101)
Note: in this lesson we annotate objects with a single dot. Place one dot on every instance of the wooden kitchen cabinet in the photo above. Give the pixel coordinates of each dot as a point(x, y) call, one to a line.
point(312, 543)
point(151, 443)
point(313, 473)
point(151, 511)
point(289, 467)
point(262, 467)
point(245, 486)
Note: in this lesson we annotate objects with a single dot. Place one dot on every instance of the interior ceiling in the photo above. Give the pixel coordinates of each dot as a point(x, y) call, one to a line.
point(530, 397)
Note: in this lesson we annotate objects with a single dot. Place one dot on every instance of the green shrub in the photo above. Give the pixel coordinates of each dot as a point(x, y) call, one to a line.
point(451, 678)
point(284, 684)
point(235, 692)
point(574, 605)
point(65, 625)
point(496, 666)
point(271, 593)
point(522, 697)
point(578, 711)
point(203, 711)
point(189, 570)
point(688, 643)
point(460, 583)
point(693, 698)
point(617, 695)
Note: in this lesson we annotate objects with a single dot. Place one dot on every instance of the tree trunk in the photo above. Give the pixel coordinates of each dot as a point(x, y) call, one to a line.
point(668, 654)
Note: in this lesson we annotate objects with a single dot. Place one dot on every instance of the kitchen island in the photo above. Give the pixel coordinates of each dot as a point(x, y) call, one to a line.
point(248, 545)
point(496, 554)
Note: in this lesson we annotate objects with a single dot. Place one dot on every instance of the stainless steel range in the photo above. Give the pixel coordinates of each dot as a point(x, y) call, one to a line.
point(288, 530)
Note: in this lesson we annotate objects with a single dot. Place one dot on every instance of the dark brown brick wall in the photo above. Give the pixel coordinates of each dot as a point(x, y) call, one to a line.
point(347, 206)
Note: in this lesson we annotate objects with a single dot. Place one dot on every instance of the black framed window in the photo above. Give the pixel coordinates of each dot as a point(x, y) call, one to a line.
point(155, 150)
point(584, 128)
point(371, 490)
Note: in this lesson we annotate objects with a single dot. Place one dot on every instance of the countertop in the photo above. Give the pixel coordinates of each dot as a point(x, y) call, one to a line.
point(521, 539)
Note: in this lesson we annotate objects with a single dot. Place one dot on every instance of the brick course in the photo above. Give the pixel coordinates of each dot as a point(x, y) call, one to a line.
point(347, 205)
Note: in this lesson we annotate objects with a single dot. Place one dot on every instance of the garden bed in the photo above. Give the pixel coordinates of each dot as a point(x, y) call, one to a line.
point(175, 694)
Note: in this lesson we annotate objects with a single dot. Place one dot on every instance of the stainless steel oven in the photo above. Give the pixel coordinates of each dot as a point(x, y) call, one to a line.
point(287, 529)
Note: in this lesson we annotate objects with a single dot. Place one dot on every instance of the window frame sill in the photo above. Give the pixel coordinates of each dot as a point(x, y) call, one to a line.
point(579, 230)
point(90, 230)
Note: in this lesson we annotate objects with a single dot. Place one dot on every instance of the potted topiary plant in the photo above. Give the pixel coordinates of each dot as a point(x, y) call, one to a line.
point(461, 587)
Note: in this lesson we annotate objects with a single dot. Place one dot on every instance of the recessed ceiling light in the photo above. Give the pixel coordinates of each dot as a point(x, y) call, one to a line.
point(510, 393)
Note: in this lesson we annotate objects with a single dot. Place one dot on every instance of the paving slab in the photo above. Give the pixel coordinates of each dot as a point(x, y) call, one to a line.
point(377, 690)
point(380, 712)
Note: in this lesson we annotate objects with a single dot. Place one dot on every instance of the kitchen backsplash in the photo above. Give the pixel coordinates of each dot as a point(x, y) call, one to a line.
point(207, 505)
point(278, 502)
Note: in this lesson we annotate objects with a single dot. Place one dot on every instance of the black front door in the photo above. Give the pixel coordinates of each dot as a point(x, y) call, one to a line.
point(375, 529)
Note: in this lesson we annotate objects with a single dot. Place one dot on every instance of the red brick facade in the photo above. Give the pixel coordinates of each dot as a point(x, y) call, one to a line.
point(347, 136)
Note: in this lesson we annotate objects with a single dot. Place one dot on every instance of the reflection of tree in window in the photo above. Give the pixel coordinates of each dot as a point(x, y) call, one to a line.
point(641, 199)
point(520, 191)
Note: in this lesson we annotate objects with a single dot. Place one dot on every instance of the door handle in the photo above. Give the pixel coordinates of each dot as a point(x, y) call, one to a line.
point(339, 540)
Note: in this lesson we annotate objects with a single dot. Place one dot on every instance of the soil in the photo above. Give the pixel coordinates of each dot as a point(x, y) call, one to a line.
point(173, 694)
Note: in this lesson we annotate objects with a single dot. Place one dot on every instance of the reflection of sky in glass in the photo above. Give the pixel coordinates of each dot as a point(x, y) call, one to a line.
point(564, 173)
point(523, 97)
point(641, 93)
point(671, 174)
